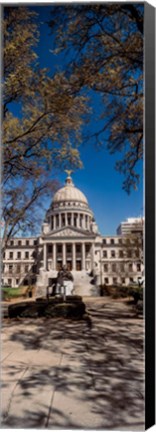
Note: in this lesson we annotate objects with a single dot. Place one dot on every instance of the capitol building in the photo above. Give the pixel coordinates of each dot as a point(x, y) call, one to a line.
point(70, 236)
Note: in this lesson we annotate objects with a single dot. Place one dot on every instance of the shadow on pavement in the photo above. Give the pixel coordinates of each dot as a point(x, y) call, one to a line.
point(100, 371)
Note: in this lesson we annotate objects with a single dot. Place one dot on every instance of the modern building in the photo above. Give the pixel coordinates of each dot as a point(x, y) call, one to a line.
point(131, 226)
point(70, 236)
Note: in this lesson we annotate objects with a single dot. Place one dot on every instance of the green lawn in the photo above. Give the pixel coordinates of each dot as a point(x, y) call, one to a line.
point(8, 293)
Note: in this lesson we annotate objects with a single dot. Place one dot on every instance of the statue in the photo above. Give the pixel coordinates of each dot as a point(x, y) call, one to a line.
point(64, 282)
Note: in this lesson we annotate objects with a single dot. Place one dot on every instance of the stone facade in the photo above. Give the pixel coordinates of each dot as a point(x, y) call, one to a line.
point(70, 237)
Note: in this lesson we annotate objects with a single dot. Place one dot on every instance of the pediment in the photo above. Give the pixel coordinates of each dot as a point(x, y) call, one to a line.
point(69, 232)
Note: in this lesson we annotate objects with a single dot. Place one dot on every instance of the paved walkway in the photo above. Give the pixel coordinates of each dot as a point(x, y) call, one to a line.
point(61, 374)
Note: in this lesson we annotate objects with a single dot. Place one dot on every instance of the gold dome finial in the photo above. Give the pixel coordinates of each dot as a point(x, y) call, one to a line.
point(68, 180)
point(68, 172)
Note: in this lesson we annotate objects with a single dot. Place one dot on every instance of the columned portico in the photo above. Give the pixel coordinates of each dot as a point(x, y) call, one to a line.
point(79, 255)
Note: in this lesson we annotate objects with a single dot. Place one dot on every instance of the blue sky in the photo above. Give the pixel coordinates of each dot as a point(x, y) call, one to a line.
point(99, 180)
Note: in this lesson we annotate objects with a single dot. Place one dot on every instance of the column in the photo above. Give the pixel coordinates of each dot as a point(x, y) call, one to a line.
point(83, 222)
point(83, 256)
point(59, 220)
point(74, 256)
point(54, 221)
point(88, 223)
point(66, 220)
point(45, 256)
point(64, 253)
point(92, 257)
point(72, 219)
point(78, 220)
point(54, 256)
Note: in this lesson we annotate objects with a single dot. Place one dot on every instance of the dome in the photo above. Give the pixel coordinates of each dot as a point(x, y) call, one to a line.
point(69, 193)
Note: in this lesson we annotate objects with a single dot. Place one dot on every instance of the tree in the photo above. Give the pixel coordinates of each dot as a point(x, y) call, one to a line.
point(104, 43)
point(39, 123)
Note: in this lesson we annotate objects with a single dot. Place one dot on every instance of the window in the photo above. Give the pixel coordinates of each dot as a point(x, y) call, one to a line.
point(19, 255)
point(137, 253)
point(130, 267)
point(19, 242)
point(104, 241)
point(88, 248)
point(11, 242)
point(75, 220)
point(78, 248)
point(105, 254)
point(122, 267)
point(138, 267)
point(112, 241)
point(69, 249)
point(69, 220)
point(52, 227)
point(26, 254)
point(81, 219)
point(120, 241)
point(86, 221)
point(131, 279)
point(35, 242)
point(113, 267)
point(9, 282)
point(3, 255)
point(26, 268)
point(18, 268)
point(120, 254)
point(50, 248)
point(11, 255)
point(114, 280)
point(57, 221)
point(106, 267)
point(63, 220)
point(17, 281)
point(106, 280)
point(10, 268)
point(27, 242)
point(112, 253)
point(59, 248)
point(129, 253)
point(123, 280)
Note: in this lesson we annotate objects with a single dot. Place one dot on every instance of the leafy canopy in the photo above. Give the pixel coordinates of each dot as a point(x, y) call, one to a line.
point(104, 43)
point(40, 122)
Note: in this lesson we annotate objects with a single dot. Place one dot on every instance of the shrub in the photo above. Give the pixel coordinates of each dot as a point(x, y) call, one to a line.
point(116, 291)
point(139, 307)
point(136, 293)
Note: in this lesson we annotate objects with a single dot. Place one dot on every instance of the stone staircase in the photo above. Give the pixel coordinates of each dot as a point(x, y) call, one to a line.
point(83, 284)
